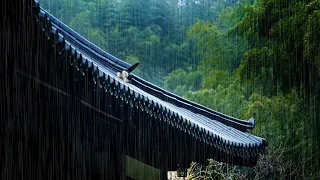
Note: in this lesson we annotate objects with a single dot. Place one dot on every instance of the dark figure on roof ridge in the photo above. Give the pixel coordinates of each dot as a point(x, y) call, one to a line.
point(133, 67)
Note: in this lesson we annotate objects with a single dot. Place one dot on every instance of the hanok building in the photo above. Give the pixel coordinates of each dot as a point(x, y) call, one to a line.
point(66, 115)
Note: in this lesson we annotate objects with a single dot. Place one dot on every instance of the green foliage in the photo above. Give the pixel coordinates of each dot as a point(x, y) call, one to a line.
point(193, 80)
point(220, 50)
point(82, 22)
point(96, 36)
point(291, 32)
point(216, 78)
point(179, 81)
point(285, 59)
point(228, 98)
point(214, 170)
point(176, 80)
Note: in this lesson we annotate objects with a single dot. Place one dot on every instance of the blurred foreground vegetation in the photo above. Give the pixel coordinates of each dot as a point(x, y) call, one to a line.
point(245, 58)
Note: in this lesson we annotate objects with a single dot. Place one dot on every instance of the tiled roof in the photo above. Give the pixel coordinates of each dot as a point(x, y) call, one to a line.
point(221, 131)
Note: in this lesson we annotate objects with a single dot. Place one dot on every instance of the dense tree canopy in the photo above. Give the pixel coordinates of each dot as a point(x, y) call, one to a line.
point(245, 58)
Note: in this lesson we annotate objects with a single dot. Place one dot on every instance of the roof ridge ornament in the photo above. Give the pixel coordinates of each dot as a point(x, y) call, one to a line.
point(124, 75)
point(132, 67)
point(252, 122)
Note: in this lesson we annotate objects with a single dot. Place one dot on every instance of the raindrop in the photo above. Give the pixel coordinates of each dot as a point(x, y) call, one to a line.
point(126, 98)
point(141, 106)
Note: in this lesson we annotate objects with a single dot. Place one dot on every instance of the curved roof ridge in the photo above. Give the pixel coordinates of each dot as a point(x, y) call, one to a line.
point(81, 40)
point(239, 124)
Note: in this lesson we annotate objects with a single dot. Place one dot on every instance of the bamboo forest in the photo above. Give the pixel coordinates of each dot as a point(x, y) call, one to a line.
point(249, 59)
